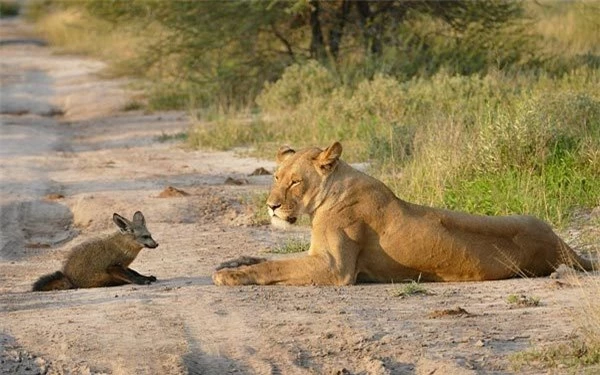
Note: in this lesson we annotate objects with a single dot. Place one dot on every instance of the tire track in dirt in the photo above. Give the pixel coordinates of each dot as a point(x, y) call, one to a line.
point(26, 220)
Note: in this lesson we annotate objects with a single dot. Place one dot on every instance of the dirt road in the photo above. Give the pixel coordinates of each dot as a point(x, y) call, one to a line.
point(70, 157)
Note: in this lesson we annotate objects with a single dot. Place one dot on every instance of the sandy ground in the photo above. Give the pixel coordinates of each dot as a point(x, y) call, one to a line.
point(70, 157)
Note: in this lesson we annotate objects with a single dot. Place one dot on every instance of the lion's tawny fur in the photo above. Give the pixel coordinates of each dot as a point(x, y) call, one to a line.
point(362, 232)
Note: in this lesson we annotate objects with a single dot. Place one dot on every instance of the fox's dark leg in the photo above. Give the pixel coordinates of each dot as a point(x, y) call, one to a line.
point(124, 275)
point(151, 278)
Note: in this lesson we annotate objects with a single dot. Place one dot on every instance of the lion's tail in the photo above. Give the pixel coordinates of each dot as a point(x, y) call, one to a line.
point(571, 258)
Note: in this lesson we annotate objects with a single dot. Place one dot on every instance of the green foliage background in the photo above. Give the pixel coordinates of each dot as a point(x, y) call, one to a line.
point(490, 106)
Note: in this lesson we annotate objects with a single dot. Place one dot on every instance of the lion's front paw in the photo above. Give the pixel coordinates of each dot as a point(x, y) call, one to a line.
point(241, 261)
point(231, 277)
point(223, 277)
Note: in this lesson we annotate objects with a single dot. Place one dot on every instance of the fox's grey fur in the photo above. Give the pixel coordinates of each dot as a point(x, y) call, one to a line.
point(105, 261)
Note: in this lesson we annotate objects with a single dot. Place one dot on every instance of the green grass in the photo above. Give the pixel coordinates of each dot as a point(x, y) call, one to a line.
point(227, 133)
point(552, 193)
point(522, 300)
point(256, 206)
point(293, 245)
point(580, 356)
point(9, 8)
point(412, 288)
point(176, 137)
point(72, 30)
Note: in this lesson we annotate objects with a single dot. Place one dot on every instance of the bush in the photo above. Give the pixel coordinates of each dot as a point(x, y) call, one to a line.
point(298, 84)
point(9, 8)
point(533, 152)
point(498, 144)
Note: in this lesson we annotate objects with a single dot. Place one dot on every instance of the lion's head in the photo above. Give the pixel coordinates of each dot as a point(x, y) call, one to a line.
point(300, 180)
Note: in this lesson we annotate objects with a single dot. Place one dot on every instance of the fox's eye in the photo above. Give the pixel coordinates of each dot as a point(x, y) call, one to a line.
point(146, 237)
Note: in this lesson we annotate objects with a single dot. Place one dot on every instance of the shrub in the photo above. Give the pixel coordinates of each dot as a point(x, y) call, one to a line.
point(299, 83)
point(498, 144)
point(9, 8)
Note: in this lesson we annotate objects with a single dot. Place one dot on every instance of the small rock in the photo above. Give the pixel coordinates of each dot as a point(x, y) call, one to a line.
point(235, 181)
point(53, 196)
point(260, 172)
point(458, 311)
point(562, 272)
point(170, 192)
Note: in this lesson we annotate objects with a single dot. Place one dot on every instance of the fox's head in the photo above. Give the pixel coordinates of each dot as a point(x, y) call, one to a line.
point(136, 229)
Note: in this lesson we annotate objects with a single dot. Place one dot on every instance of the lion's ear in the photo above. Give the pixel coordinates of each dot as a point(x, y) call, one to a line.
point(328, 158)
point(284, 153)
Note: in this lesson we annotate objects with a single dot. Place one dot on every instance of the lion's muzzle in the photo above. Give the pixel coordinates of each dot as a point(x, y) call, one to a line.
point(289, 219)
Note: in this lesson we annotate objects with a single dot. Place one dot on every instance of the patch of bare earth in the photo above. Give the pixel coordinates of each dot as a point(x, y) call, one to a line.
point(70, 158)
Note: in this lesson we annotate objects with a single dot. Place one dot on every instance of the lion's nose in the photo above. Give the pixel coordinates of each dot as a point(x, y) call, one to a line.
point(274, 206)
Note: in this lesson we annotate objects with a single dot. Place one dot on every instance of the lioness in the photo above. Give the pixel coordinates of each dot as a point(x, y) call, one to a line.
point(362, 232)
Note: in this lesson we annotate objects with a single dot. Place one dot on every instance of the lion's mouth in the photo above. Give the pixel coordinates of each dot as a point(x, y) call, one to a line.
point(289, 219)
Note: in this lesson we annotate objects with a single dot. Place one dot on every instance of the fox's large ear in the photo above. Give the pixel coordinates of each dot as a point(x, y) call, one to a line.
point(328, 159)
point(138, 218)
point(123, 224)
point(284, 153)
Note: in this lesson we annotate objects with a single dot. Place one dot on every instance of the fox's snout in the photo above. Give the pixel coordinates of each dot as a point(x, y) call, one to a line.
point(151, 244)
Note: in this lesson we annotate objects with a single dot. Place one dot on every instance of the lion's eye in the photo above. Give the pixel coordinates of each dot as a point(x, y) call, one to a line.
point(296, 182)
